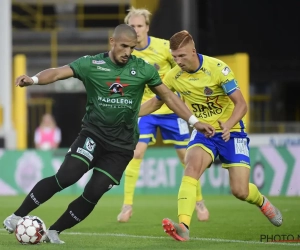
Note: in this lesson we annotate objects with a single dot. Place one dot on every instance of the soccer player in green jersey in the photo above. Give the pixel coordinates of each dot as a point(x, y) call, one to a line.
point(114, 83)
point(212, 93)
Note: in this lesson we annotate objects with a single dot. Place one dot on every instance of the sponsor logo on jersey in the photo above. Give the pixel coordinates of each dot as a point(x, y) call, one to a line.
point(205, 71)
point(208, 91)
point(89, 145)
point(108, 100)
point(178, 74)
point(103, 69)
point(153, 50)
point(117, 87)
point(226, 71)
point(193, 79)
point(85, 153)
point(185, 92)
point(98, 62)
point(209, 109)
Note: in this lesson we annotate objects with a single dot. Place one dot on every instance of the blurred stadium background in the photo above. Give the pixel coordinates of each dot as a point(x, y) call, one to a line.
point(258, 43)
point(256, 38)
point(262, 50)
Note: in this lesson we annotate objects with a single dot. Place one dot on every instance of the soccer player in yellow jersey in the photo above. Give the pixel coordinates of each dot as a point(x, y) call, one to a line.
point(211, 92)
point(174, 130)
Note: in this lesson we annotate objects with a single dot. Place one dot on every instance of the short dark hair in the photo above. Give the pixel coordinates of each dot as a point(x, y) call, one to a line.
point(124, 29)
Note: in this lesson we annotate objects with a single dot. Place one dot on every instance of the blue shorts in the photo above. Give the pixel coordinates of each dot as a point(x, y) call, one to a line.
point(173, 129)
point(234, 152)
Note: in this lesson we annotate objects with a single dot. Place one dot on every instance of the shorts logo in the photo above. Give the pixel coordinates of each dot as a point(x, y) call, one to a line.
point(85, 153)
point(240, 146)
point(207, 91)
point(89, 145)
point(193, 135)
point(183, 126)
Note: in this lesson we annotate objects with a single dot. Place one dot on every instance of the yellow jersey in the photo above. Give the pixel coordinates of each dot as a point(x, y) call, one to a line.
point(206, 91)
point(156, 53)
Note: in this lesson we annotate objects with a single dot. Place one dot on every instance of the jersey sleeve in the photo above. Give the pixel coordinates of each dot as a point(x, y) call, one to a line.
point(227, 80)
point(81, 67)
point(152, 76)
point(168, 81)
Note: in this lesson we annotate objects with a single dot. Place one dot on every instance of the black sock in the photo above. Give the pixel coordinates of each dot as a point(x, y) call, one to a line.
point(185, 225)
point(40, 193)
point(76, 212)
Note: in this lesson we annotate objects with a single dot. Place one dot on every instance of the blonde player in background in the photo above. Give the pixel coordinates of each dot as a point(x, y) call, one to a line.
point(174, 130)
point(212, 94)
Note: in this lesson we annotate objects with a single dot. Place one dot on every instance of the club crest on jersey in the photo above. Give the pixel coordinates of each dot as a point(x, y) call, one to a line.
point(133, 72)
point(89, 145)
point(117, 87)
point(207, 91)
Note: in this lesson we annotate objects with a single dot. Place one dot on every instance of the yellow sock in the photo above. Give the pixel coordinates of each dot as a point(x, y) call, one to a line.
point(254, 197)
point(131, 177)
point(187, 199)
point(199, 196)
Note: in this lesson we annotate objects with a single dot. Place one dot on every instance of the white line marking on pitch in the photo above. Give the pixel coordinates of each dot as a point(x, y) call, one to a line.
point(163, 237)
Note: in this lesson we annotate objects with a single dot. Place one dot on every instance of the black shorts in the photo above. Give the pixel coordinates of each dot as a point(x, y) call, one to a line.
point(100, 155)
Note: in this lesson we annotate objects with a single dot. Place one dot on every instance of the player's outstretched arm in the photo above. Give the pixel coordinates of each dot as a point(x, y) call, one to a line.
point(179, 107)
point(45, 77)
point(150, 106)
point(172, 101)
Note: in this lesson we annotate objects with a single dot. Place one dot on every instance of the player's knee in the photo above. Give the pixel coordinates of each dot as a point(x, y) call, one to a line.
point(240, 193)
point(194, 170)
point(71, 170)
point(138, 154)
point(96, 187)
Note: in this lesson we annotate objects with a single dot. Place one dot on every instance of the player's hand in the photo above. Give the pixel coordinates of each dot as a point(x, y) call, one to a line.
point(225, 131)
point(24, 81)
point(204, 128)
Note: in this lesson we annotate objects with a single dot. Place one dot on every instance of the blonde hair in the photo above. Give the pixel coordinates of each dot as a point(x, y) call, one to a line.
point(180, 39)
point(138, 12)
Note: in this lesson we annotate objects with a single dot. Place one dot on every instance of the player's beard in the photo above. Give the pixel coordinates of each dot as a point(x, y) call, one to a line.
point(119, 61)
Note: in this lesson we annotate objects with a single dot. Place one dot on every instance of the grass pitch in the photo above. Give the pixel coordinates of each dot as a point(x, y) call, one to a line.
point(233, 224)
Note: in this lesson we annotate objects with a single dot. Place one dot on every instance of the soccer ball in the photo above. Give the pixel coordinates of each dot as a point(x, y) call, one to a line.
point(30, 230)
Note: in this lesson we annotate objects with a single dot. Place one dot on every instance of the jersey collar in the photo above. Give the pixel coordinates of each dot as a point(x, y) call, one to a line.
point(200, 65)
point(148, 43)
